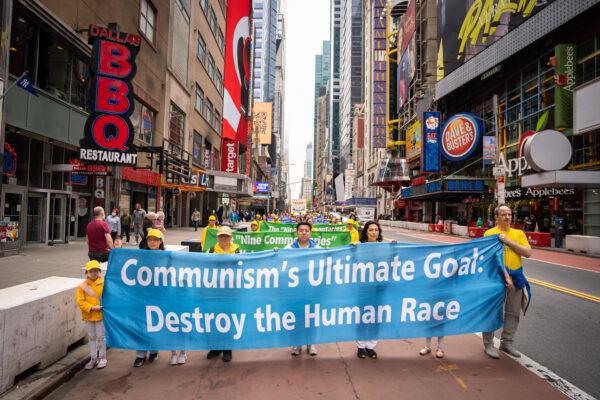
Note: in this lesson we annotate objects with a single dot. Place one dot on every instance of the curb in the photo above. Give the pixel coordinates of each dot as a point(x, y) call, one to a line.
point(43, 382)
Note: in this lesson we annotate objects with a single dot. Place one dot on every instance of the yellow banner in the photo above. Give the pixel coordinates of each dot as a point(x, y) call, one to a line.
point(413, 141)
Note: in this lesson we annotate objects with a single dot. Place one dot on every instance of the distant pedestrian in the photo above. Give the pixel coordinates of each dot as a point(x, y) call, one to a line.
point(146, 226)
point(89, 300)
point(114, 223)
point(138, 220)
point(98, 237)
point(126, 224)
point(351, 227)
point(518, 292)
point(212, 223)
point(195, 219)
point(159, 223)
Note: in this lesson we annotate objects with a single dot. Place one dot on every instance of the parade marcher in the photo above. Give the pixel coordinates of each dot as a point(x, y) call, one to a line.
point(516, 246)
point(195, 219)
point(254, 226)
point(439, 352)
point(354, 236)
point(89, 299)
point(371, 233)
point(212, 223)
point(138, 221)
point(126, 224)
point(114, 223)
point(98, 237)
point(303, 241)
point(224, 246)
point(146, 226)
point(159, 223)
point(153, 240)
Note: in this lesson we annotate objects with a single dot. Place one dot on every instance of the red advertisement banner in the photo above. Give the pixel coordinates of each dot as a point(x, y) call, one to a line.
point(229, 156)
point(237, 71)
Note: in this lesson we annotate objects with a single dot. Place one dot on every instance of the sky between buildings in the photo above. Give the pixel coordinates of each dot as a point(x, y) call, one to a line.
point(307, 25)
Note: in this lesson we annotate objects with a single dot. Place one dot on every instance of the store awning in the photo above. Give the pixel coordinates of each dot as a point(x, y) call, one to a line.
point(589, 179)
point(446, 190)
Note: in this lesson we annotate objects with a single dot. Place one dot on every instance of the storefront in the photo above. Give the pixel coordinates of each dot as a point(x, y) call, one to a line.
point(50, 203)
point(139, 186)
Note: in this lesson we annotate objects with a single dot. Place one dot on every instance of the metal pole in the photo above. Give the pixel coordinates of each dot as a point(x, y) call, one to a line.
point(500, 180)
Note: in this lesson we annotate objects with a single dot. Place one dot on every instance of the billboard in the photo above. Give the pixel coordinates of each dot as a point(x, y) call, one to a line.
point(262, 114)
point(489, 149)
point(466, 27)
point(406, 55)
point(379, 86)
point(108, 132)
point(236, 79)
point(413, 141)
point(430, 157)
point(261, 187)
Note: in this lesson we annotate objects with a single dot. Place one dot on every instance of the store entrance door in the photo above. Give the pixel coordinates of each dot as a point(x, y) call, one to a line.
point(12, 204)
point(36, 212)
point(57, 217)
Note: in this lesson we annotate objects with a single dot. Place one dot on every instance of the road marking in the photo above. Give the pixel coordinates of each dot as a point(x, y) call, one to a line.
point(564, 386)
point(450, 368)
point(565, 290)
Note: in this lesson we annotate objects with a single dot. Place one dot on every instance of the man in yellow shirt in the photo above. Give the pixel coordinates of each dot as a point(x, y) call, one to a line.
point(516, 246)
point(354, 236)
point(212, 223)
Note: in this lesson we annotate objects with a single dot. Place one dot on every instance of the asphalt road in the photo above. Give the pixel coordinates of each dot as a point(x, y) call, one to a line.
point(560, 331)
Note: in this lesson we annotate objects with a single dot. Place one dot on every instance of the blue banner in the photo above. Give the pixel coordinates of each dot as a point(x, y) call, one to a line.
point(194, 301)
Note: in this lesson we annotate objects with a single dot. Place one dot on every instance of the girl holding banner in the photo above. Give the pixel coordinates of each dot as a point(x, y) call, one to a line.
point(371, 233)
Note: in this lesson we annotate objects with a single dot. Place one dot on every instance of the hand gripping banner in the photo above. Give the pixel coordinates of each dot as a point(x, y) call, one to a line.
point(193, 301)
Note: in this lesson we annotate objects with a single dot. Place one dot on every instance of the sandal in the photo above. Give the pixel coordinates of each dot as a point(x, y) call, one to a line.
point(439, 353)
point(424, 351)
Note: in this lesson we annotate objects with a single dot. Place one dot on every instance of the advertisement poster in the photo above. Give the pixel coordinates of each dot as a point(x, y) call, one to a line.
point(467, 27)
point(413, 141)
point(460, 136)
point(489, 149)
point(430, 158)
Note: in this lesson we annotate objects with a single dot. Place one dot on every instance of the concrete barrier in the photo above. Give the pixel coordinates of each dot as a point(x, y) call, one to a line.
point(176, 247)
point(460, 230)
point(583, 244)
point(39, 320)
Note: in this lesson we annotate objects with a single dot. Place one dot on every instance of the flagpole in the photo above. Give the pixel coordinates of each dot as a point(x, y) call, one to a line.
point(12, 85)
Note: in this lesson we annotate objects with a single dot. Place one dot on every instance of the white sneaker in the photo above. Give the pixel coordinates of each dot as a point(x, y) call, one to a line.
point(91, 364)
point(311, 349)
point(173, 359)
point(296, 350)
point(182, 358)
point(101, 363)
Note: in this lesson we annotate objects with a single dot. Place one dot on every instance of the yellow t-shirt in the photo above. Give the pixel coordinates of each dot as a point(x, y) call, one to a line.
point(354, 236)
point(511, 259)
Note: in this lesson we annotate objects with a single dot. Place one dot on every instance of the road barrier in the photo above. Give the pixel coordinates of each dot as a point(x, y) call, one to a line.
point(583, 244)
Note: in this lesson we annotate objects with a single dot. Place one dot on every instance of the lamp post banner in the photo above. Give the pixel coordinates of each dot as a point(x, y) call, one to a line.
point(194, 301)
point(250, 242)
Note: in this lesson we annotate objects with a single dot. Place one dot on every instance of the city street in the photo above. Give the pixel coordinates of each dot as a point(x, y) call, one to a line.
point(558, 333)
point(560, 330)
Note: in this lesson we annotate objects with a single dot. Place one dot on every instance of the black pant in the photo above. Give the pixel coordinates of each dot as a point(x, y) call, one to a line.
point(100, 257)
point(113, 235)
point(127, 231)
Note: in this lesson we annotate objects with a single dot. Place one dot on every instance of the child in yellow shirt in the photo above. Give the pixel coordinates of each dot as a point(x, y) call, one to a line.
point(89, 295)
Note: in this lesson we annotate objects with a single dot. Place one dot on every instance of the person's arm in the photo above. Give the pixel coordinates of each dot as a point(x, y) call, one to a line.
point(83, 304)
point(109, 241)
point(523, 249)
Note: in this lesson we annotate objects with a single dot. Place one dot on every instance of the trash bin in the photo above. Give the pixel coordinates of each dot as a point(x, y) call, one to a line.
point(194, 245)
point(448, 226)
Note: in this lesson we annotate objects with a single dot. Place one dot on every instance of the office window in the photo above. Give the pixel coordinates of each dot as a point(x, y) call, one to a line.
point(201, 49)
point(212, 21)
point(219, 81)
point(146, 132)
point(176, 125)
point(218, 122)
point(199, 103)
point(211, 67)
point(147, 20)
point(221, 41)
point(208, 112)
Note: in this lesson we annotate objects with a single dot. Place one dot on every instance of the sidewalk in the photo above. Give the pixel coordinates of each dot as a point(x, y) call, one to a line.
point(336, 373)
point(41, 261)
point(547, 255)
